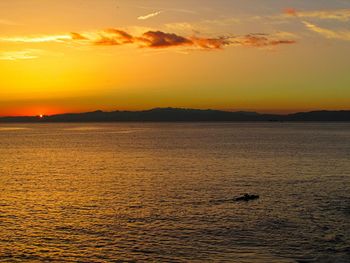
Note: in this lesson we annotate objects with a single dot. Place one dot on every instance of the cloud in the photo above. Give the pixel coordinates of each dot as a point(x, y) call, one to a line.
point(290, 11)
point(145, 17)
point(159, 39)
point(285, 34)
point(261, 40)
point(156, 40)
point(183, 27)
point(77, 36)
point(113, 37)
point(37, 39)
point(212, 43)
point(328, 33)
point(19, 55)
point(340, 14)
point(178, 10)
point(209, 26)
point(123, 36)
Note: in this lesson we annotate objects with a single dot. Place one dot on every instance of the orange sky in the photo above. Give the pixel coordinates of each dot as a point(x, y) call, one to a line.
point(84, 55)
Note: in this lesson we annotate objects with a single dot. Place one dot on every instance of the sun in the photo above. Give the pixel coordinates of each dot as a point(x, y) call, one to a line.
point(41, 116)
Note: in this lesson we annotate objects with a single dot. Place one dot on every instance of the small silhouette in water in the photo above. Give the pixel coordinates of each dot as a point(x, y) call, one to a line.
point(246, 197)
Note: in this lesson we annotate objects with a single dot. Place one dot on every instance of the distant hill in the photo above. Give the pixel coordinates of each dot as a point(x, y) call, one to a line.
point(184, 115)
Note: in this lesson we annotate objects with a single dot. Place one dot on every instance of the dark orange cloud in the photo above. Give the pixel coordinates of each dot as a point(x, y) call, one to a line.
point(261, 40)
point(114, 37)
point(106, 41)
point(281, 42)
point(212, 43)
point(290, 11)
point(122, 36)
point(77, 36)
point(156, 40)
point(159, 39)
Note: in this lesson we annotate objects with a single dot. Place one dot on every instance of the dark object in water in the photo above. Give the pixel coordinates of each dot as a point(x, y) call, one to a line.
point(246, 197)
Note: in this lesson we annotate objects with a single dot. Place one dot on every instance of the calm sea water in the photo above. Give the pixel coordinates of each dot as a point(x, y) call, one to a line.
point(163, 192)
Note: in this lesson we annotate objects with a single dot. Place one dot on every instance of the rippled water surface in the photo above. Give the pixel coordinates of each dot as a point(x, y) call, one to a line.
point(163, 192)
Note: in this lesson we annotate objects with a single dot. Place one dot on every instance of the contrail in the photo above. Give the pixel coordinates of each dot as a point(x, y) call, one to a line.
point(145, 17)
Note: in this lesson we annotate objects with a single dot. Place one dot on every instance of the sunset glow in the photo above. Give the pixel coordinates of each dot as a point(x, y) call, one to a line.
point(174, 131)
point(267, 56)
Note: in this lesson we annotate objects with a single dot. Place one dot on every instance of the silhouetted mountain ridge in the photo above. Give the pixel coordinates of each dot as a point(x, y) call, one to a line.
point(183, 115)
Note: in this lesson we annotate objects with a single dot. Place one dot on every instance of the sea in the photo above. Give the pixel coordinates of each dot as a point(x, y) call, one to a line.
point(165, 192)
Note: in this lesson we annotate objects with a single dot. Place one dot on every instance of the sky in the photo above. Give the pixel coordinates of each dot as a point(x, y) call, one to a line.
point(258, 55)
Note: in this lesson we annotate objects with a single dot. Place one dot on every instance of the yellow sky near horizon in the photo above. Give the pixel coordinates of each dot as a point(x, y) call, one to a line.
point(73, 56)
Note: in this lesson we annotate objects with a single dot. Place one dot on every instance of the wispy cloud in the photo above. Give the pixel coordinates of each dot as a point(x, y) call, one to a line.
point(148, 16)
point(177, 10)
point(339, 14)
point(261, 40)
point(210, 26)
point(19, 55)
point(328, 33)
point(184, 27)
point(37, 39)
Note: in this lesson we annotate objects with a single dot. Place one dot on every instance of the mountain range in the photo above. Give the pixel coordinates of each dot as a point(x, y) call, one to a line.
point(184, 115)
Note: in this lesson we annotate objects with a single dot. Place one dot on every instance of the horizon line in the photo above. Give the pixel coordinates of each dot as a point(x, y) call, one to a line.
point(176, 108)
